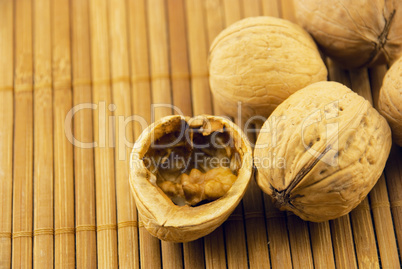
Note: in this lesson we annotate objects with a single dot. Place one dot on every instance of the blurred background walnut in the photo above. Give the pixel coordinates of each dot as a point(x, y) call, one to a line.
point(260, 61)
point(390, 100)
point(354, 33)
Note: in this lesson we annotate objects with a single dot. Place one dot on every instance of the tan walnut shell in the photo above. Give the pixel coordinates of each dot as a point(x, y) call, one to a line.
point(321, 151)
point(354, 33)
point(260, 61)
point(390, 100)
point(163, 218)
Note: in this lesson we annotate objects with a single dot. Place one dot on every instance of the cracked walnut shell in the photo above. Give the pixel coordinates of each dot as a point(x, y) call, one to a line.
point(188, 175)
point(259, 62)
point(390, 100)
point(321, 151)
point(354, 33)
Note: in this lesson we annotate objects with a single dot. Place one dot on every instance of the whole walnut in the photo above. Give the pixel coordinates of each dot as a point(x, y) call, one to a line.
point(390, 100)
point(259, 62)
point(188, 175)
point(354, 33)
point(321, 151)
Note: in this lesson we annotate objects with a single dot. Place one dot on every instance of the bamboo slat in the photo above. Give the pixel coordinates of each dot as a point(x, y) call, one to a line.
point(139, 65)
point(43, 137)
point(258, 254)
point(83, 153)
point(214, 248)
point(257, 247)
point(321, 244)
point(360, 217)
point(233, 11)
point(6, 130)
point(376, 75)
point(236, 252)
point(297, 235)
point(121, 92)
point(300, 245)
point(178, 53)
point(201, 98)
point(215, 23)
point(363, 235)
point(193, 254)
point(278, 239)
point(384, 227)
point(393, 168)
point(161, 96)
point(150, 256)
point(341, 228)
point(236, 246)
point(287, 10)
point(63, 149)
point(393, 172)
point(251, 8)
point(342, 240)
point(198, 44)
point(214, 244)
point(104, 158)
point(378, 196)
point(23, 138)
point(172, 255)
point(180, 78)
point(159, 58)
point(270, 8)
point(338, 74)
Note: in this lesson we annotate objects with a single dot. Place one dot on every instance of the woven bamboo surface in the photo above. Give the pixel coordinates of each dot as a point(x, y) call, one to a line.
point(66, 206)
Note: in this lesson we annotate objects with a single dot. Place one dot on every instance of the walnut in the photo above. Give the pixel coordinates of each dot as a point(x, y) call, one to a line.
point(260, 61)
point(354, 33)
point(321, 151)
point(188, 175)
point(390, 100)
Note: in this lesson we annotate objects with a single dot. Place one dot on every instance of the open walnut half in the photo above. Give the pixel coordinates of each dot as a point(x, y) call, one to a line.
point(188, 175)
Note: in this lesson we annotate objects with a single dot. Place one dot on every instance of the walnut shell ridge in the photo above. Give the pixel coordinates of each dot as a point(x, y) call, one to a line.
point(354, 33)
point(168, 221)
point(390, 100)
point(259, 62)
point(333, 146)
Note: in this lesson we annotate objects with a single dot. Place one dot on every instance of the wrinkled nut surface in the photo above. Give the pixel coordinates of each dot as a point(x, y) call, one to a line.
point(188, 175)
point(354, 33)
point(390, 100)
point(259, 62)
point(321, 151)
point(197, 186)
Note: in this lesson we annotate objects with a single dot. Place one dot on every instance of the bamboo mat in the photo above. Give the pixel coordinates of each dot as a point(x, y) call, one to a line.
point(72, 72)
